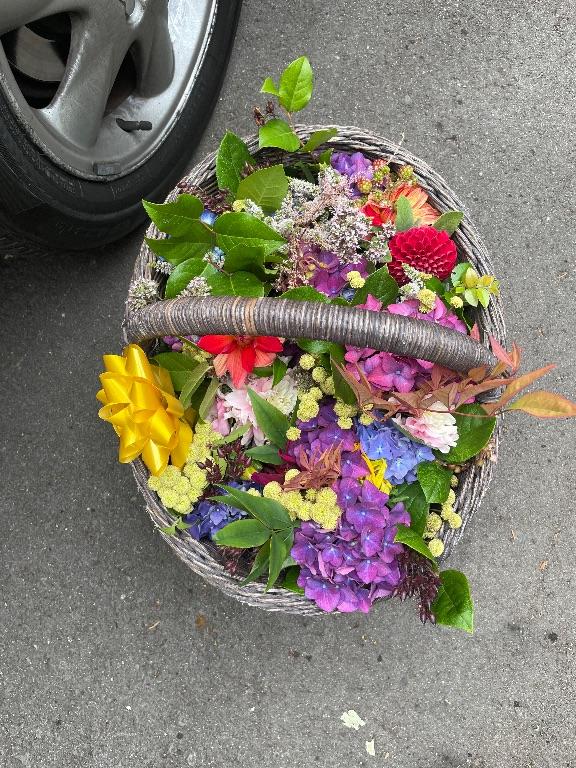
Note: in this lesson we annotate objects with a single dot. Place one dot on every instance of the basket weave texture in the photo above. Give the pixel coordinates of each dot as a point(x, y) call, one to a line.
point(301, 319)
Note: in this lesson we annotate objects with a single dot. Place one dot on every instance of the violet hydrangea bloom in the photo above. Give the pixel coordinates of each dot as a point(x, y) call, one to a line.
point(383, 440)
point(354, 165)
point(350, 567)
point(329, 276)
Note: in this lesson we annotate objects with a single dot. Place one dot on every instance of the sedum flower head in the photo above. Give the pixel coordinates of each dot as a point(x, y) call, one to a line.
point(141, 293)
point(307, 362)
point(436, 547)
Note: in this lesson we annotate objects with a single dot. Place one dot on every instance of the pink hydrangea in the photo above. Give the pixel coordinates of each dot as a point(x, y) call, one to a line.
point(435, 427)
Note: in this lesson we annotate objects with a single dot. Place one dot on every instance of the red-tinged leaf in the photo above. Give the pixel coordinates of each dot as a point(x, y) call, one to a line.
point(475, 332)
point(478, 374)
point(516, 355)
point(500, 352)
point(521, 382)
point(544, 405)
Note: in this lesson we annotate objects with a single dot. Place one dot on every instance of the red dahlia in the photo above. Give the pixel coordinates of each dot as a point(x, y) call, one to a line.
point(424, 248)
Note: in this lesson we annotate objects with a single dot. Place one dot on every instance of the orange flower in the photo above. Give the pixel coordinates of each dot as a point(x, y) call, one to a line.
point(384, 212)
point(239, 355)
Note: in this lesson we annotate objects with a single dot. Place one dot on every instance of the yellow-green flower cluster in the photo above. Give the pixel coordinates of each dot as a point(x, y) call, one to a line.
point(319, 374)
point(309, 407)
point(427, 299)
point(345, 413)
point(355, 279)
point(180, 489)
point(307, 362)
point(436, 547)
point(448, 514)
point(321, 505)
point(293, 433)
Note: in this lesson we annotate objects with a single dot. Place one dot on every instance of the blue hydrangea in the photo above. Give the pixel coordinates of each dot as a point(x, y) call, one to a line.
point(383, 440)
point(208, 517)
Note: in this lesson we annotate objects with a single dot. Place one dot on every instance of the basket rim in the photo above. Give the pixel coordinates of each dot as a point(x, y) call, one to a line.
point(200, 556)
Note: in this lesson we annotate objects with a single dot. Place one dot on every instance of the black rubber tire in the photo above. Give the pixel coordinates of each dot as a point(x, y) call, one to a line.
point(39, 201)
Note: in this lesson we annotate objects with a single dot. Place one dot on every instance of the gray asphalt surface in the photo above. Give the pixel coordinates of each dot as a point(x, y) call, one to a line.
point(112, 654)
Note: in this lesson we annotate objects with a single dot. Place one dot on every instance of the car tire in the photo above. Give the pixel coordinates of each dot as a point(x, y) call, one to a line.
point(43, 203)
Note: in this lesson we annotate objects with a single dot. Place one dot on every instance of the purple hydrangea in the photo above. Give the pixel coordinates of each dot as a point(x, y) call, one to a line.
point(208, 517)
point(329, 275)
point(350, 567)
point(175, 343)
point(383, 440)
point(354, 165)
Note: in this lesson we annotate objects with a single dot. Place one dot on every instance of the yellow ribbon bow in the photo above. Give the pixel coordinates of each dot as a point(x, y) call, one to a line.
point(138, 400)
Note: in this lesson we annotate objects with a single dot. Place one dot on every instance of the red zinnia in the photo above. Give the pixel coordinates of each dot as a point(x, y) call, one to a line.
point(424, 248)
point(239, 355)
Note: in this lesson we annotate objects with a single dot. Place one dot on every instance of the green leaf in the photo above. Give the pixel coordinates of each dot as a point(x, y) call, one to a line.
point(181, 276)
point(404, 214)
point(544, 405)
point(449, 221)
point(279, 368)
point(268, 86)
point(233, 155)
point(435, 481)
point(277, 133)
point(316, 347)
point(409, 537)
point(259, 565)
point(436, 285)
point(305, 293)
point(271, 421)
point(232, 436)
point(174, 218)
point(319, 137)
point(266, 454)
point(291, 580)
point(280, 546)
point(379, 284)
point(457, 274)
point(267, 187)
point(242, 534)
point(325, 156)
point(208, 399)
point(296, 84)
point(269, 512)
point(412, 496)
point(341, 387)
point(195, 378)
point(246, 241)
point(177, 365)
point(473, 434)
point(453, 605)
point(471, 297)
point(197, 242)
point(236, 284)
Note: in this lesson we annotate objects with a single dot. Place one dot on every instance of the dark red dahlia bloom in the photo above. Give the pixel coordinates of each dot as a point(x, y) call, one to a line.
point(424, 248)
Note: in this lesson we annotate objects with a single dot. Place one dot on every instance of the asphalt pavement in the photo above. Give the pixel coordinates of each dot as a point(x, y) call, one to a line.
point(113, 654)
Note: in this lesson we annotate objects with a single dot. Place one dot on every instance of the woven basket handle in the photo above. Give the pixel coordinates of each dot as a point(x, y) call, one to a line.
point(241, 316)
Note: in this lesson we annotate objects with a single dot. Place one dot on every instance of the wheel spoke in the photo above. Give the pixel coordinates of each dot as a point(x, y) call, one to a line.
point(154, 56)
point(16, 13)
point(78, 108)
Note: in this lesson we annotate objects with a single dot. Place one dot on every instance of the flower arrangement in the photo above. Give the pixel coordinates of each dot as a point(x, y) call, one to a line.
point(325, 469)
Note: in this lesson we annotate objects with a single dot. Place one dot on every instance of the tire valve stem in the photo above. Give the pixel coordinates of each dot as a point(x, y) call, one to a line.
point(133, 125)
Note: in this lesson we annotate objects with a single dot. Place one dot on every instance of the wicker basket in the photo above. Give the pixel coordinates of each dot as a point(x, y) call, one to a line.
point(279, 317)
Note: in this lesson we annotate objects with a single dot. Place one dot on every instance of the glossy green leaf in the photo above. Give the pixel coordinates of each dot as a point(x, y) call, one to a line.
point(197, 242)
point(296, 85)
point(266, 454)
point(453, 605)
point(236, 284)
point(268, 86)
point(177, 365)
point(457, 274)
point(270, 513)
point(341, 387)
point(242, 534)
point(181, 276)
point(246, 241)
point(259, 565)
point(233, 155)
point(319, 137)
point(379, 284)
point(412, 496)
point(449, 221)
point(404, 214)
point(195, 378)
point(271, 421)
point(174, 218)
point(473, 434)
point(278, 133)
point(280, 546)
point(208, 399)
point(305, 293)
point(409, 537)
point(434, 481)
point(279, 368)
point(291, 580)
point(267, 187)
